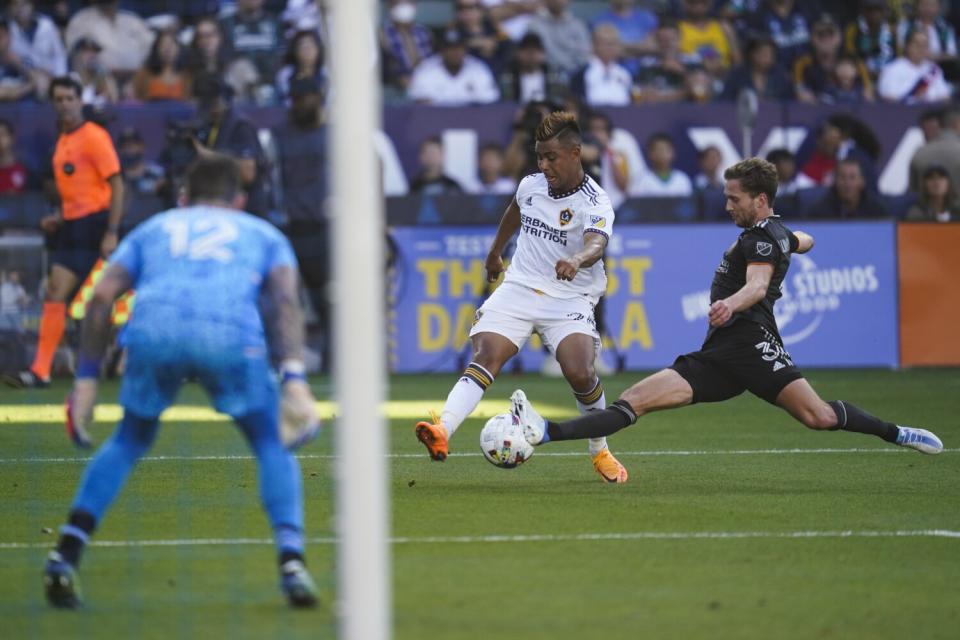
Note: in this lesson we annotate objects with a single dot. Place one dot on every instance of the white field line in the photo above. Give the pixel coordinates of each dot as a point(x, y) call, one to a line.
point(576, 537)
point(543, 454)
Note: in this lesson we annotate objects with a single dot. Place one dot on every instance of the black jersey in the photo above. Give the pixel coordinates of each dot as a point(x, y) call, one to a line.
point(767, 242)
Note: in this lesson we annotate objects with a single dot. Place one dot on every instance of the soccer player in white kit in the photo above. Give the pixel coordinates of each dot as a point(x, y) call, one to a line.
point(553, 283)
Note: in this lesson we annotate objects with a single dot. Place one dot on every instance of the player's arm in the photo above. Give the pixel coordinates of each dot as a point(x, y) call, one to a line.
point(804, 242)
point(94, 337)
point(594, 244)
point(752, 292)
point(284, 317)
point(509, 224)
point(111, 237)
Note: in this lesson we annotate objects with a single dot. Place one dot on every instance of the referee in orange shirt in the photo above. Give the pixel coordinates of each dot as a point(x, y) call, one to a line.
point(88, 179)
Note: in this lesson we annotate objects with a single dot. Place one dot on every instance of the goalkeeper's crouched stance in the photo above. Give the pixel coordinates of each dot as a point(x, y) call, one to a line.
point(199, 272)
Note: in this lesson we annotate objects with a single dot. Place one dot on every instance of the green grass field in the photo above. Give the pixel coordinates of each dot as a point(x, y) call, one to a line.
point(736, 523)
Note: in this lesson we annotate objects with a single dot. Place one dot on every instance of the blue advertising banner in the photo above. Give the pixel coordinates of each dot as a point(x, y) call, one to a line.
point(839, 307)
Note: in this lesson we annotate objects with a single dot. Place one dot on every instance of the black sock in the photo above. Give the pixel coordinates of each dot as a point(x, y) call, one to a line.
point(851, 418)
point(74, 536)
point(594, 424)
point(286, 556)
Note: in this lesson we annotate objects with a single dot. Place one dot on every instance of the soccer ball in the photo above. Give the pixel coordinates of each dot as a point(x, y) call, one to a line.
point(502, 442)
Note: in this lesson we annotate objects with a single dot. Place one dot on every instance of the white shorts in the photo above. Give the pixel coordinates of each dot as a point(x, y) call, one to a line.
point(515, 311)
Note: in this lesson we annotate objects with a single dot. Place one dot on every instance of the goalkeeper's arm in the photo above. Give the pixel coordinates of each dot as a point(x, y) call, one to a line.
point(284, 317)
point(94, 337)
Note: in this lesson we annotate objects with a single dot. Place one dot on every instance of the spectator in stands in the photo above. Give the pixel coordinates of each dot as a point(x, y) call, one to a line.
point(302, 155)
point(927, 16)
point(849, 196)
point(760, 73)
point(492, 180)
point(36, 41)
point(871, 37)
point(661, 75)
point(404, 43)
point(13, 301)
point(16, 82)
point(938, 202)
point(603, 81)
point(223, 130)
point(484, 40)
point(663, 180)
point(99, 85)
point(913, 78)
point(13, 175)
point(162, 76)
point(453, 77)
point(815, 76)
point(929, 123)
point(943, 151)
point(565, 37)
point(787, 24)
point(513, 16)
point(636, 26)
point(519, 159)
point(527, 77)
point(254, 34)
point(124, 36)
point(699, 86)
point(140, 176)
point(612, 170)
point(712, 39)
point(304, 59)
point(849, 84)
point(710, 175)
point(790, 180)
point(431, 181)
point(819, 167)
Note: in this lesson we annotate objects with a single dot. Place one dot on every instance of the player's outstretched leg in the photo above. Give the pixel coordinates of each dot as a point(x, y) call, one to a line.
point(102, 481)
point(491, 351)
point(576, 354)
point(800, 400)
point(281, 491)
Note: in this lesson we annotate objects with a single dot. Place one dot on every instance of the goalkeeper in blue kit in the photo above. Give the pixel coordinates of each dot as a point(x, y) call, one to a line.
point(199, 272)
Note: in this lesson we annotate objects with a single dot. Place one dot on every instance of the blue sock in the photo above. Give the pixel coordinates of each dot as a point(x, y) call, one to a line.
point(546, 434)
point(281, 489)
point(113, 462)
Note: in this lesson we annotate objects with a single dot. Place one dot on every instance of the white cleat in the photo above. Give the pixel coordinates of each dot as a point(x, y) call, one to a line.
point(533, 424)
point(920, 439)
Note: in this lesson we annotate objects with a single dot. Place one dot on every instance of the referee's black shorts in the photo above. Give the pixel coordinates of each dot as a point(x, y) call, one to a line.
point(744, 356)
point(76, 244)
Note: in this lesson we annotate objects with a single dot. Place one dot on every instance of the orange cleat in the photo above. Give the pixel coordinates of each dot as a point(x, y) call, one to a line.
point(434, 437)
point(610, 468)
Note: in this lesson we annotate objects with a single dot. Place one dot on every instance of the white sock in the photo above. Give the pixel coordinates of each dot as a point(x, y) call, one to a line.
point(465, 396)
point(595, 445)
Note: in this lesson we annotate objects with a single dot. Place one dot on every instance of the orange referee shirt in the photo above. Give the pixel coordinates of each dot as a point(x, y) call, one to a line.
point(82, 162)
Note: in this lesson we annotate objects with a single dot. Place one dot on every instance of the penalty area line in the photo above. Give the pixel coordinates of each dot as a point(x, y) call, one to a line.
point(546, 537)
point(539, 454)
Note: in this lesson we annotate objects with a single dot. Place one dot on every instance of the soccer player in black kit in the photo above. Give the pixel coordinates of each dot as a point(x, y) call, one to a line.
point(743, 350)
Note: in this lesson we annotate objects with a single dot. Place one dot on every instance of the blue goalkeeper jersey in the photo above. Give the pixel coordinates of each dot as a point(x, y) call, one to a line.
point(199, 270)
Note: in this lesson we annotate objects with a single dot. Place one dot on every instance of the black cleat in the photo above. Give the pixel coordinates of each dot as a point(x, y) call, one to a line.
point(61, 583)
point(25, 380)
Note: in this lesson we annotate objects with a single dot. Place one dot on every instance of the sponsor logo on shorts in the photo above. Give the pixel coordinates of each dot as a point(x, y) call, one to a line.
point(565, 217)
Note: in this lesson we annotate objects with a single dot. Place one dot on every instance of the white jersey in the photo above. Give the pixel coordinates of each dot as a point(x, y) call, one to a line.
point(551, 229)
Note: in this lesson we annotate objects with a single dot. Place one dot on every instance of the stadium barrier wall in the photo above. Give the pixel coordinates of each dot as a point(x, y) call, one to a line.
point(929, 296)
point(839, 307)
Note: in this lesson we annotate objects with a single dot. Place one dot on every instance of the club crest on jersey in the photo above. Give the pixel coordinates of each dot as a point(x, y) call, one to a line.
point(565, 217)
point(764, 248)
point(598, 222)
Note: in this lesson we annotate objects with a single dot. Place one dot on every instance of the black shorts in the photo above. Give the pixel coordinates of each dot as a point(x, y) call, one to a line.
point(76, 244)
point(742, 357)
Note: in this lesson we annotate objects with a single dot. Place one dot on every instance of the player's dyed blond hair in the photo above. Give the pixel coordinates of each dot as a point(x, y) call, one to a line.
point(562, 125)
point(756, 176)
